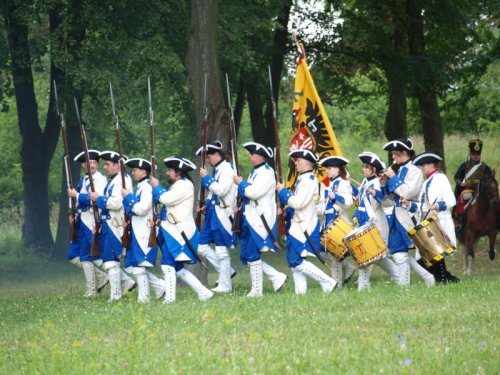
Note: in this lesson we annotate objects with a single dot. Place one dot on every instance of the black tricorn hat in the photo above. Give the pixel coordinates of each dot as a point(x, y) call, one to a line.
point(139, 163)
point(333, 161)
point(372, 159)
point(93, 155)
point(112, 156)
point(427, 158)
point(211, 148)
point(259, 149)
point(304, 153)
point(180, 164)
point(401, 144)
point(476, 146)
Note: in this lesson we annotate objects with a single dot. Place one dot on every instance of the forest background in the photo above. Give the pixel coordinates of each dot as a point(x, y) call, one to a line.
point(383, 70)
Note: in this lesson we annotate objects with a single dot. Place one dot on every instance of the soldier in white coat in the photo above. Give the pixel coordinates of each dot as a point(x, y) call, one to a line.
point(112, 218)
point(179, 236)
point(79, 250)
point(140, 256)
point(400, 186)
point(219, 208)
point(436, 197)
point(259, 205)
point(303, 231)
point(371, 208)
point(335, 200)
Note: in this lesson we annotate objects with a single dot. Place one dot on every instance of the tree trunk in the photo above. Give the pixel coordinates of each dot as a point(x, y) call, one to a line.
point(37, 147)
point(203, 61)
point(424, 81)
point(66, 91)
point(394, 66)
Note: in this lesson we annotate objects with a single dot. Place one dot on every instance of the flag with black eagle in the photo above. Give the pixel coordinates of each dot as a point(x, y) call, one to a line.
point(311, 127)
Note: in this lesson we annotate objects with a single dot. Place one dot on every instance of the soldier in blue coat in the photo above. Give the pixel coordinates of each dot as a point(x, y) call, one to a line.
point(79, 250)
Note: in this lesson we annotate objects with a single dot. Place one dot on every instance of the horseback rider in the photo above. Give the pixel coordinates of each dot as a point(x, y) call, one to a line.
point(467, 178)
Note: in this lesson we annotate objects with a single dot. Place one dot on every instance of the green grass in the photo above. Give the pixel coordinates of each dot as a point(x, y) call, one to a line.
point(46, 326)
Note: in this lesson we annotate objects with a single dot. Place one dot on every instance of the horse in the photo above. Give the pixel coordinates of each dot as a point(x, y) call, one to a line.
point(480, 220)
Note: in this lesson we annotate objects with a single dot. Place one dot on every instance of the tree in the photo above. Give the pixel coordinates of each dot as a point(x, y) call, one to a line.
point(38, 144)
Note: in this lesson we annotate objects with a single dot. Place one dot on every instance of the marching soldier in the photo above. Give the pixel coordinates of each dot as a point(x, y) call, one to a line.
point(335, 200)
point(79, 250)
point(258, 229)
point(371, 207)
point(178, 231)
point(405, 184)
point(437, 197)
point(139, 206)
point(219, 214)
point(112, 216)
point(304, 230)
point(467, 177)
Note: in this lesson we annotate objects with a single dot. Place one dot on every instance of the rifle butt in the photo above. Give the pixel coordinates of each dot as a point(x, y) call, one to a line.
point(153, 241)
point(73, 235)
point(281, 229)
point(95, 247)
point(237, 222)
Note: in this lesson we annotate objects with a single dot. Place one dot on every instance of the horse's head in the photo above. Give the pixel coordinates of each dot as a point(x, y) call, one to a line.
point(488, 187)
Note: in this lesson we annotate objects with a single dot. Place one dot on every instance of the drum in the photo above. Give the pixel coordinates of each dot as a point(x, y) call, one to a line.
point(332, 236)
point(431, 240)
point(366, 245)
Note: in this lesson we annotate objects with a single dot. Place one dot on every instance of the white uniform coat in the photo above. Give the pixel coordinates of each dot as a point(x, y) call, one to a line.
point(437, 189)
point(304, 200)
point(226, 190)
point(179, 200)
point(100, 181)
point(261, 193)
point(114, 203)
point(143, 213)
point(373, 206)
point(407, 184)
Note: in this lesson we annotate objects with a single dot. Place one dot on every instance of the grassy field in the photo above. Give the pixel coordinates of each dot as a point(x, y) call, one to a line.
point(47, 327)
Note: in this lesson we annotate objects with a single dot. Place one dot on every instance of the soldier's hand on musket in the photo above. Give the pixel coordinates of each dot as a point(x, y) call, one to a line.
point(93, 196)
point(332, 195)
point(371, 191)
point(237, 179)
point(279, 186)
point(154, 182)
point(124, 193)
point(279, 211)
point(72, 193)
point(203, 172)
point(383, 179)
point(71, 219)
point(355, 220)
point(125, 224)
point(434, 207)
point(201, 209)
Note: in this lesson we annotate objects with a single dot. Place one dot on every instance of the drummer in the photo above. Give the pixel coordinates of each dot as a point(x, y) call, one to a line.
point(402, 180)
point(371, 208)
point(436, 197)
point(335, 200)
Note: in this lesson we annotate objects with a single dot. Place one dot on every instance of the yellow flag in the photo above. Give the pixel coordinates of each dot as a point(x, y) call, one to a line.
point(311, 127)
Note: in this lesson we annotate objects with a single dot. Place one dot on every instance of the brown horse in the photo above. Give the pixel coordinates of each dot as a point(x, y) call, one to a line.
point(480, 220)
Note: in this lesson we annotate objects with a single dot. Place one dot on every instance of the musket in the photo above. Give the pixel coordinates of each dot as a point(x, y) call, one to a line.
point(153, 241)
point(234, 151)
point(201, 193)
point(126, 233)
point(281, 230)
point(95, 249)
point(67, 168)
